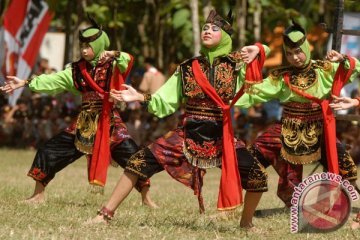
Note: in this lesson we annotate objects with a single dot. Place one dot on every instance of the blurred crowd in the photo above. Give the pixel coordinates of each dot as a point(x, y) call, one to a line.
point(34, 119)
point(348, 129)
point(38, 117)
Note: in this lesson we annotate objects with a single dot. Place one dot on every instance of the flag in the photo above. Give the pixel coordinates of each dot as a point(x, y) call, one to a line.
point(2, 56)
point(25, 24)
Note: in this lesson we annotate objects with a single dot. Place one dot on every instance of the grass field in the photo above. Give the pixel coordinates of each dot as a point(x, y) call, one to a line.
point(69, 204)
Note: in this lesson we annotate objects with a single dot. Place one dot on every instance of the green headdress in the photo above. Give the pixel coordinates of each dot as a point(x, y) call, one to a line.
point(96, 38)
point(223, 48)
point(295, 37)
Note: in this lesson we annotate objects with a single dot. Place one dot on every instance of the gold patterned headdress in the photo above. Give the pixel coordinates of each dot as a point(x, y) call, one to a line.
point(224, 24)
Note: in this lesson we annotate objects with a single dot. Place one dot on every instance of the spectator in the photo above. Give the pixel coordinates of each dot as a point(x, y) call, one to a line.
point(43, 67)
point(153, 79)
point(6, 124)
point(134, 125)
point(135, 80)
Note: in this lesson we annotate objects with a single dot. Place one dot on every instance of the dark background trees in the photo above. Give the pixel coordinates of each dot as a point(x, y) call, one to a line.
point(167, 31)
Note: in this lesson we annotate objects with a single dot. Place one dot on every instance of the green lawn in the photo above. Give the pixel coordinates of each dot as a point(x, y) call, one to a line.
point(69, 204)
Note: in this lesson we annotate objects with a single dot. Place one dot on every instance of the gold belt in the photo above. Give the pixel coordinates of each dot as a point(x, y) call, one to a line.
point(305, 112)
point(203, 111)
point(91, 106)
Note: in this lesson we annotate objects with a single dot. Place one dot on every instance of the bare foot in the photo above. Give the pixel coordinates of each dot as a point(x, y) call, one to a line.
point(246, 225)
point(38, 195)
point(354, 225)
point(149, 203)
point(250, 228)
point(146, 199)
point(35, 199)
point(96, 221)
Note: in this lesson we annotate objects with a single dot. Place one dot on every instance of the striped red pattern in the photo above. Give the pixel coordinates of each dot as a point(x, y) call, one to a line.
point(25, 24)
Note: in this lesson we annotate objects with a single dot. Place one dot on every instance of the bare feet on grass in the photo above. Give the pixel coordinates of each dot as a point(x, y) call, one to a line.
point(146, 200)
point(355, 225)
point(149, 203)
point(96, 221)
point(38, 195)
point(251, 201)
point(250, 228)
point(35, 199)
point(104, 216)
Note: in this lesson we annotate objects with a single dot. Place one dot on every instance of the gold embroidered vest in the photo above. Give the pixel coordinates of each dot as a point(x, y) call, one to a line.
point(302, 123)
point(203, 118)
point(301, 132)
point(302, 78)
point(87, 120)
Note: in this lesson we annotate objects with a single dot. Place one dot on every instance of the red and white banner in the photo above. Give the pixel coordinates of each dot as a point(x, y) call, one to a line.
point(25, 24)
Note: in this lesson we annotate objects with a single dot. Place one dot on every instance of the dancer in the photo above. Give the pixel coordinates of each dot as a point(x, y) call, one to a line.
point(203, 141)
point(98, 131)
point(153, 78)
point(307, 130)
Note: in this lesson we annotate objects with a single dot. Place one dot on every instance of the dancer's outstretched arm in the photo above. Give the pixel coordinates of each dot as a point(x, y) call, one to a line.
point(127, 95)
point(12, 83)
point(341, 103)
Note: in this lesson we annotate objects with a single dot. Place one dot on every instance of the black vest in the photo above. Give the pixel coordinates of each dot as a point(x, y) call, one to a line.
point(203, 118)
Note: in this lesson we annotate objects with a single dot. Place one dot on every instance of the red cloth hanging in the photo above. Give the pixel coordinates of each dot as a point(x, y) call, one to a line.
point(101, 156)
point(340, 79)
point(230, 191)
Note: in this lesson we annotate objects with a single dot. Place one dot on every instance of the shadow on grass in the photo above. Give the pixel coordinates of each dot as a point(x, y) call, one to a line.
point(271, 211)
point(191, 223)
point(355, 209)
point(67, 203)
point(262, 213)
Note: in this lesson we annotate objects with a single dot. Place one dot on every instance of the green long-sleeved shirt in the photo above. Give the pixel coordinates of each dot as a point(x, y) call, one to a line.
point(275, 88)
point(169, 97)
point(62, 81)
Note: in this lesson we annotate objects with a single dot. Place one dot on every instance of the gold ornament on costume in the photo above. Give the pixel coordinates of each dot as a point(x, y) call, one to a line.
point(301, 134)
point(86, 126)
point(301, 78)
point(304, 78)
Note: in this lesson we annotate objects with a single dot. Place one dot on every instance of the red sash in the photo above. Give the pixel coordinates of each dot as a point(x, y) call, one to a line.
point(230, 191)
point(340, 79)
point(101, 156)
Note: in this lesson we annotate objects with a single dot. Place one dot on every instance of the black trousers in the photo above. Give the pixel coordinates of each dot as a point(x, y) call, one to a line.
point(60, 151)
point(253, 175)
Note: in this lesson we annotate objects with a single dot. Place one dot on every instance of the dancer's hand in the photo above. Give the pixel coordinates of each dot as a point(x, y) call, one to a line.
point(127, 95)
point(341, 103)
point(334, 56)
point(249, 53)
point(105, 55)
point(12, 83)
